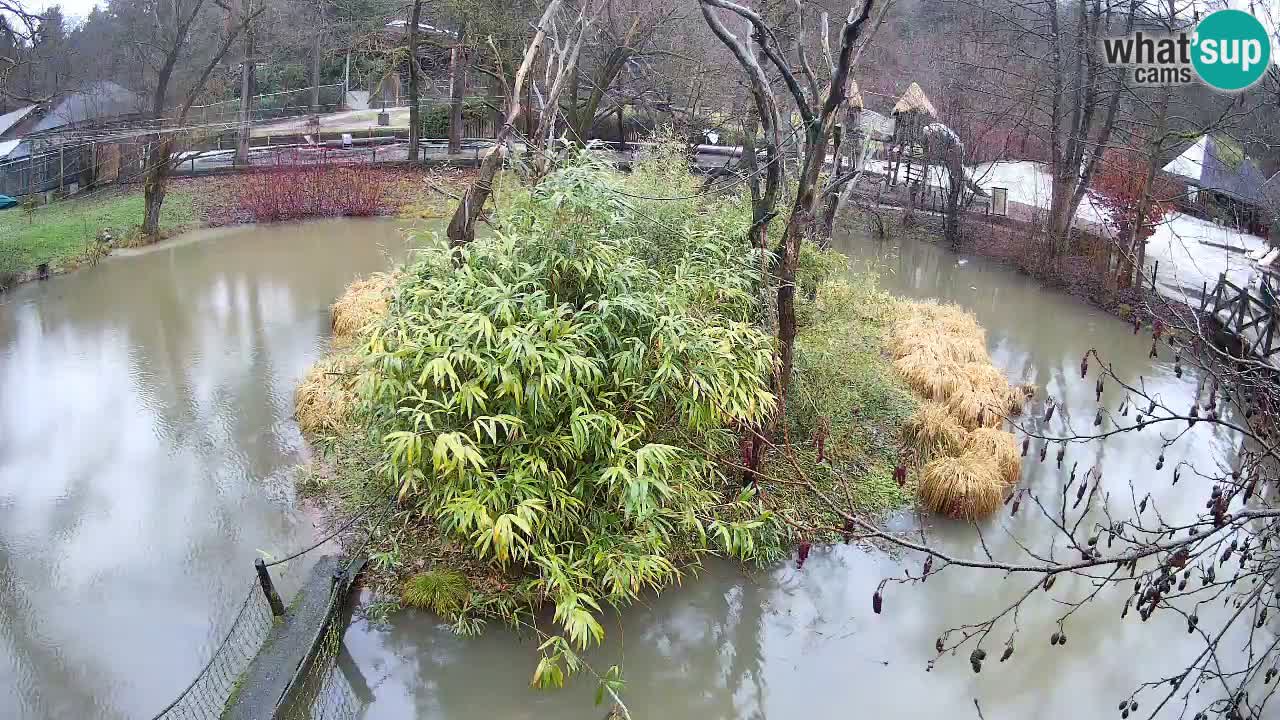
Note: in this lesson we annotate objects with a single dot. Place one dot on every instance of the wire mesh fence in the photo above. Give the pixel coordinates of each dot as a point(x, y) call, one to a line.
point(333, 687)
point(206, 697)
point(271, 106)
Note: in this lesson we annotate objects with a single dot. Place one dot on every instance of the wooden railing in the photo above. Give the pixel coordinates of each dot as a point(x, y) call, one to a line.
point(1246, 311)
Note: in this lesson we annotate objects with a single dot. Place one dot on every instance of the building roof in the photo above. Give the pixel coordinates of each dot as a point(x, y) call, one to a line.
point(914, 100)
point(8, 146)
point(94, 101)
point(1220, 165)
point(10, 119)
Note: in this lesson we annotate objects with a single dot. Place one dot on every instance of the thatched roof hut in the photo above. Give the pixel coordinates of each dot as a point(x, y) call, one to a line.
point(914, 101)
point(853, 98)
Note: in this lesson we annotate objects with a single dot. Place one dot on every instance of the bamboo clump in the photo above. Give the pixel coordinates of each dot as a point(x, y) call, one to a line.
point(967, 462)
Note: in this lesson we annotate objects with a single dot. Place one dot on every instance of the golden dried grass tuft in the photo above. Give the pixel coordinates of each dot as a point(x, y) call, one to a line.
point(968, 462)
point(932, 432)
point(968, 487)
point(326, 396)
point(363, 303)
point(933, 378)
point(1001, 445)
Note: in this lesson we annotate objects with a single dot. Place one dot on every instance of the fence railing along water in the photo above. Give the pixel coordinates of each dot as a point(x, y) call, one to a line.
point(321, 686)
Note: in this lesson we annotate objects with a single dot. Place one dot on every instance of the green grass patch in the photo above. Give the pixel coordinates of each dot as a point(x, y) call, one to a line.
point(845, 386)
point(63, 233)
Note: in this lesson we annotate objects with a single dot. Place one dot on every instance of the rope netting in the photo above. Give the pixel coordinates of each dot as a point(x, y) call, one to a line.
point(207, 695)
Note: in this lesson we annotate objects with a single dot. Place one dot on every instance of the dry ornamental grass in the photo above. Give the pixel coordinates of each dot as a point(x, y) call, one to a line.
point(325, 398)
point(363, 303)
point(967, 461)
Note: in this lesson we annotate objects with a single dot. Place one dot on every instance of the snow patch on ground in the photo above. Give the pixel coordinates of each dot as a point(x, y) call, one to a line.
point(1191, 252)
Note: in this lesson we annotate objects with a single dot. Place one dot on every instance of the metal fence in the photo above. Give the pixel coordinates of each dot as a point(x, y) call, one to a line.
point(272, 106)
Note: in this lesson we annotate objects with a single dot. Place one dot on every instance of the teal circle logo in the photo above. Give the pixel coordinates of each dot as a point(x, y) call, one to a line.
point(1231, 50)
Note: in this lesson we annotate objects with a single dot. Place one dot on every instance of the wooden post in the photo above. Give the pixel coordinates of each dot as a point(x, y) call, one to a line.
point(622, 133)
point(1217, 292)
point(62, 170)
point(269, 588)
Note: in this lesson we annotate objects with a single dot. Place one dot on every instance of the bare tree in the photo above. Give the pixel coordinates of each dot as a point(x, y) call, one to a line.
point(560, 65)
point(415, 120)
point(819, 111)
point(621, 45)
point(462, 225)
point(168, 44)
point(247, 88)
point(1049, 55)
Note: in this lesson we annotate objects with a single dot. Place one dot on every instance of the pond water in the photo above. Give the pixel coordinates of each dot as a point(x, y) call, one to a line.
point(788, 643)
point(145, 448)
point(146, 441)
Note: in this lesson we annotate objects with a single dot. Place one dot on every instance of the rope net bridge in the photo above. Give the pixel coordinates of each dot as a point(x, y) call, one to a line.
point(303, 672)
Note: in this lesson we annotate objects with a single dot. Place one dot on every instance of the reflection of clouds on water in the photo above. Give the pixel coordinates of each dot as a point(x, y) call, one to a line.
point(145, 426)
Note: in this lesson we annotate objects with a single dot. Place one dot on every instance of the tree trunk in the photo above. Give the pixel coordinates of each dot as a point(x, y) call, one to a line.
point(155, 186)
point(1137, 236)
point(1058, 223)
point(456, 88)
point(951, 211)
point(415, 123)
point(315, 65)
point(759, 213)
point(831, 202)
point(246, 98)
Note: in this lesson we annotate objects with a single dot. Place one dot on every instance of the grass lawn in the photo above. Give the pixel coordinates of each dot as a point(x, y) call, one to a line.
point(60, 233)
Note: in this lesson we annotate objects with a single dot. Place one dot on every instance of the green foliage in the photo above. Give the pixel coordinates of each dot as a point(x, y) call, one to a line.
point(817, 267)
point(435, 117)
point(845, 386)
point(443, 592)
point(559, 401)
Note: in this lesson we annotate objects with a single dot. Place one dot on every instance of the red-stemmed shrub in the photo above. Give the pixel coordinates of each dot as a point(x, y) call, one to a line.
point(295, 192)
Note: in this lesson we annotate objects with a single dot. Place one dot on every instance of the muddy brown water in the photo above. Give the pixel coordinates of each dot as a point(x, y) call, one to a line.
point(146, 444)
point(145, 450)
